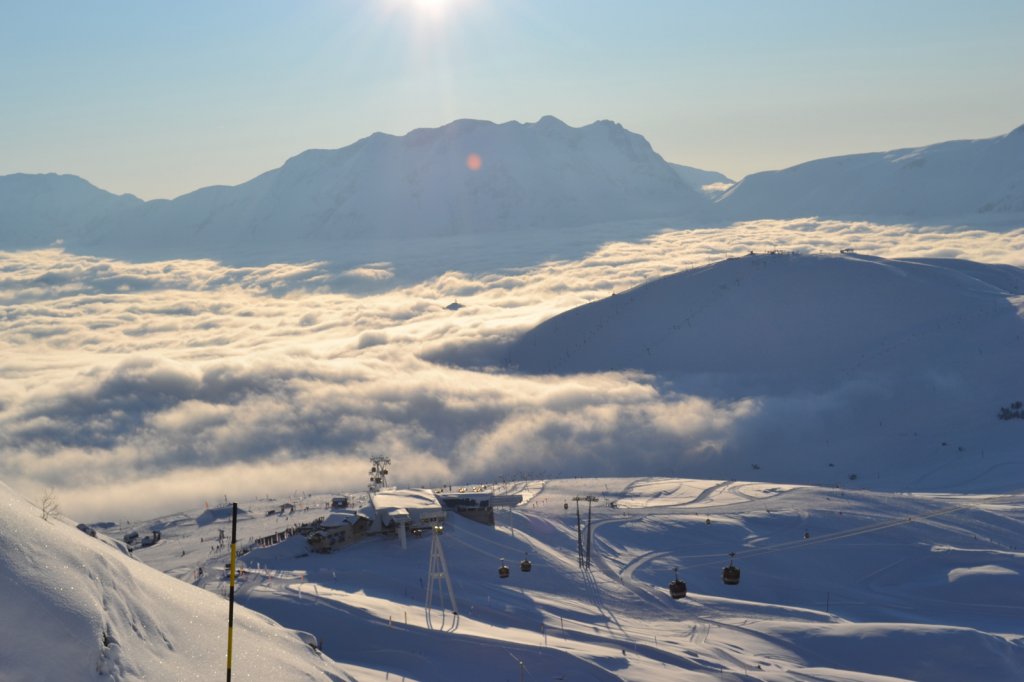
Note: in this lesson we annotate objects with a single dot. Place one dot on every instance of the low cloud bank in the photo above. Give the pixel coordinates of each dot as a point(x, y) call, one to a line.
point(139, 388)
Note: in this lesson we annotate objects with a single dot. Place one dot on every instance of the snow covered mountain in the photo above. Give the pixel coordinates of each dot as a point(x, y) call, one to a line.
point(847, 359)
point(37, 210)
point(798, 319)
point(476, 179)
point(465, 178)
point(79, 608)
point(974, 181)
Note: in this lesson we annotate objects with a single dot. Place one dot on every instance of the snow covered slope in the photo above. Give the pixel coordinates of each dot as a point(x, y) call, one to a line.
point(36, 210)
point(905, 586)
point(76, 608)
point(850, 363)
point(972, 181)
point(802, 319)
point(468, 177)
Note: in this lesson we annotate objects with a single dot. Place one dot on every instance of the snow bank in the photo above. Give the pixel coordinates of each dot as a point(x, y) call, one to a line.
point(75, 609)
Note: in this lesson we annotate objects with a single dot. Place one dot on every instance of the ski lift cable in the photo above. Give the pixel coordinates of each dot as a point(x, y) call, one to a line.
point(507, 550)
point(521, 662)
point(841, 535)
point(715, 558)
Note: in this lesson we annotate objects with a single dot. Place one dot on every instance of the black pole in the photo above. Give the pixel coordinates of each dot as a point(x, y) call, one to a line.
point(579, 534)
point(590, 528)
point(231, 592)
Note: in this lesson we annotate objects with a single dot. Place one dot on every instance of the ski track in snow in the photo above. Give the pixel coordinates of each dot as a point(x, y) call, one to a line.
point(615, 620)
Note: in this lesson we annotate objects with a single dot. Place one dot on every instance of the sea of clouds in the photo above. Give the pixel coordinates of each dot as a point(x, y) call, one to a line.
point(142, 388)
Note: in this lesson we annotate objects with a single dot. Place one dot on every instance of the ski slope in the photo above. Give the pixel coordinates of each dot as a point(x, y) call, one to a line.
point(77, 607)
point(885, 586)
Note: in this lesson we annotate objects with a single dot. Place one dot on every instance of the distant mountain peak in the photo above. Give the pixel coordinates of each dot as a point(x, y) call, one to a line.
point(468, 176)
point(549, 120)
point(40, 209)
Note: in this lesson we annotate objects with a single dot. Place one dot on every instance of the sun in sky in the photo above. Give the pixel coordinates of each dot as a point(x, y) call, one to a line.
point(431, 7)
point(434, 10)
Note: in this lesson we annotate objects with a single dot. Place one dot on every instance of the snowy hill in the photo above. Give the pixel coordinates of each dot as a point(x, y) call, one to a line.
point(465, 178)
point(836, 585)
point(801, 319)
point(37, 210)
point(77, 608)
point(973, 181)
point(896, 367)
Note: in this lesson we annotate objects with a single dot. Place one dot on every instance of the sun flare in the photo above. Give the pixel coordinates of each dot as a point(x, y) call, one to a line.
point(432, 8)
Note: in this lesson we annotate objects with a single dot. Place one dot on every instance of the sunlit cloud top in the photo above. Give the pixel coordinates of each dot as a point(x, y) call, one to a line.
point(149, 387)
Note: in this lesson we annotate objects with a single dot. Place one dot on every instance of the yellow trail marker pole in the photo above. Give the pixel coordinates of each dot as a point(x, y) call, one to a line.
point(231, 592)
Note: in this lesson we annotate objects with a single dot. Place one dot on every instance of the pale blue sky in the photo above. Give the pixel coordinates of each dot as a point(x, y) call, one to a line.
point(158, 99)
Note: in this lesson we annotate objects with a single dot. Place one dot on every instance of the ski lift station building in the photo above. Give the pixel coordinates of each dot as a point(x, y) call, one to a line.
point(414, 508)
point(478, 505)
point(337, 530)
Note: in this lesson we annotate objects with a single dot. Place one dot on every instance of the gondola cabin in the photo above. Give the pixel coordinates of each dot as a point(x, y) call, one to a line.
point(677, 588)
point(731, 574)
point(503, 570)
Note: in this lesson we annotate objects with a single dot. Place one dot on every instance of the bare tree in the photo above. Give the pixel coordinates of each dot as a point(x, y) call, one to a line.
point(48, 505)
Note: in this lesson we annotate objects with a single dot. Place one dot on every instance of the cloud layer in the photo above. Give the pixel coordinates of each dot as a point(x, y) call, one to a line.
point(142, 388)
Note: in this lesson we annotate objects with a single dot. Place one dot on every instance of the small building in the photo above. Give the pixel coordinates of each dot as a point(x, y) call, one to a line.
point(340, 502)
point(475, 506)
point(337, 530)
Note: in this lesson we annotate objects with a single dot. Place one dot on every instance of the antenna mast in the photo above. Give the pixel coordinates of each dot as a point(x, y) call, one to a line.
point(378, 473)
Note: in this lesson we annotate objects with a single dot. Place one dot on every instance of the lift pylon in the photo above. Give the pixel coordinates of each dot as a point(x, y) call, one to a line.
point(438, 574)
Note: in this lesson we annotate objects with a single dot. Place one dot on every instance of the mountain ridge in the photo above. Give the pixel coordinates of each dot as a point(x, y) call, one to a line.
point(469, 177)
point(474, 178)
point(958, 181)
